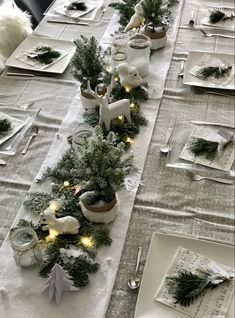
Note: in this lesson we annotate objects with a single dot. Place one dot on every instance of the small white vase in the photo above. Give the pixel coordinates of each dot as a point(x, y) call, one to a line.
point(158, 38)
point(96, 215)
point(88, 102)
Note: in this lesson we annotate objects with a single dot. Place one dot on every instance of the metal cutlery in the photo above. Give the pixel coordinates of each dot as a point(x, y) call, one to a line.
point(196, 177)
point(134, 281)
point(203, 238)
point(208, 123)
point(202, 90)
point(20, 74)
point(217, 35)
point(2, 162)
point(181, 72)
point(33, 133)
point(67, 20)
point(166, 148)
point(192, 19)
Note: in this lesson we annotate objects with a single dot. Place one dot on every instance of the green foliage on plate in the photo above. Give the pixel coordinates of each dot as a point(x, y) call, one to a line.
point(200, 146)
point(44, 54)
point(214, 72)
point(77, 5)
point(5, 127)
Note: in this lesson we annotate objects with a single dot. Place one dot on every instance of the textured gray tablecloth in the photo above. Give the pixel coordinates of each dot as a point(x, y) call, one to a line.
point(167, 197)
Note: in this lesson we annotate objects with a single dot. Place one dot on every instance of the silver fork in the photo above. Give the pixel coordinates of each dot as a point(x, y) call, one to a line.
point(217, 35)
point(198, 177)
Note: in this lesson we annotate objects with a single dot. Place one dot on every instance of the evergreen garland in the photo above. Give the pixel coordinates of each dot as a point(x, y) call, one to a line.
point(213, 72)
point(200, 146)
point(126, 9)
point(5, 127)
point(44, 54)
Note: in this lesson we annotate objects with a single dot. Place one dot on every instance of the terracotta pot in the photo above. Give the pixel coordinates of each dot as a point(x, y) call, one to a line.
point(87, 100)
point(158, 38)
point(101, 214)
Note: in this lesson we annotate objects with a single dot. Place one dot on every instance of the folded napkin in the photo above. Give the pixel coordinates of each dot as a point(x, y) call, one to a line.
point(222, 161)
point(210, 60)
point(16, 125)
point(214, 303)
point(63, 10)
point(225, 24)
point(23, 57)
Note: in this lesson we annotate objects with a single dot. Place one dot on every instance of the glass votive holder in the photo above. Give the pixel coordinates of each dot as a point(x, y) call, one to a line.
point(118, 57)
point(25, 245)
point(80, 134)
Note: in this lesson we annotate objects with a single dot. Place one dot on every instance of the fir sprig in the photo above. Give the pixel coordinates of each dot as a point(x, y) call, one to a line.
point(44, 54)
point(77, 5)
point(217, 15)
point(213, 72)
point(200, 146)
point(5, 127)
point(153, 13)
point(186, 287)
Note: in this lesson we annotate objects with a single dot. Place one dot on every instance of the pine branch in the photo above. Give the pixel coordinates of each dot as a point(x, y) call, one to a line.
point(216, 16)
point(44, 54)
point(213, 72)
point(187, 287)
point(37, 201)
point(204, 147)
point(77, 5)
point(5, 127)
point(125, 9)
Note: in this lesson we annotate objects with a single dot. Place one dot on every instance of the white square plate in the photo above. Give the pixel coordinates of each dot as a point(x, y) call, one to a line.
point(194, 58)
point(161, 252)
point(32, 41)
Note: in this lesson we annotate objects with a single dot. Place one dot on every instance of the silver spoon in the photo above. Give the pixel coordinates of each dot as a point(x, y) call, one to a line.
point(197, 177)
point(33, 133)
point(134, 281)
point(166, 148)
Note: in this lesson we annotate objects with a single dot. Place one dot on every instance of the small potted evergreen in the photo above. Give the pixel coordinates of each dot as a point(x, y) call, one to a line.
point(101, 166)
point(153, 13)
point(88, 64)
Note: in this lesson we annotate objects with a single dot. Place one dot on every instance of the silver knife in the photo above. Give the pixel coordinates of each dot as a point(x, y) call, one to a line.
point(207, 123)
point(67, 22)
point(2, 162)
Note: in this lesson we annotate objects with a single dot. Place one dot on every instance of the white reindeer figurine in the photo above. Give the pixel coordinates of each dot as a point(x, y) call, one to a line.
point(64, 225)
point(129, 75)
point(113, 110)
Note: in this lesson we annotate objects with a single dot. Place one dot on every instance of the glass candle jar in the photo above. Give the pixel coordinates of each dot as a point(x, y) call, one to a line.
point(79, 134)
point(119, 49)
point(139, 47)
point(25, 245)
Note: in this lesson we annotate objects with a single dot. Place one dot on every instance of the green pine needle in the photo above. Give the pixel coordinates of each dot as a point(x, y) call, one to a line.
point(201, 147)
point(44, 54)
point(77, 5)
point(213, 72)
point(216, 16)
point(5, 127)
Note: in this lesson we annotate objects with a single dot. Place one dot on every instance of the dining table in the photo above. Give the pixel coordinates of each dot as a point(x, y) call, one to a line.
point(163, 197)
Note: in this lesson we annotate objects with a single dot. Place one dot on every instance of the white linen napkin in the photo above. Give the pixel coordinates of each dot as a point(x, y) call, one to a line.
point(222, 161)
point(209, 60)
point(214, 303)
point(16, 125)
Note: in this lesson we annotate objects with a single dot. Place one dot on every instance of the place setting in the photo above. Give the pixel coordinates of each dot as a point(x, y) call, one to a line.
point(76, 12)
point(13, 129)
point(186, 277)
point(42, 55)
point(203, 149)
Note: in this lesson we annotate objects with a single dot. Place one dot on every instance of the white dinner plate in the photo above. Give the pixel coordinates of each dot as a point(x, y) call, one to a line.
point(32, 41)
point(161, 252)
point(193, 58)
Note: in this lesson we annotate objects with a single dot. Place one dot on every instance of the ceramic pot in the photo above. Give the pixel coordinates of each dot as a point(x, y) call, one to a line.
point(87, 100)
point(158, 38)
point(101, 214)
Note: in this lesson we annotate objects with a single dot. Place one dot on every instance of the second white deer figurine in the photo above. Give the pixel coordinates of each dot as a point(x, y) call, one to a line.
point(112, 110)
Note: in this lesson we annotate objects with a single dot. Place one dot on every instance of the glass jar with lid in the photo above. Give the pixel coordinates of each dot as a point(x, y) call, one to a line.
point(25, 245)
point(139, 47)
